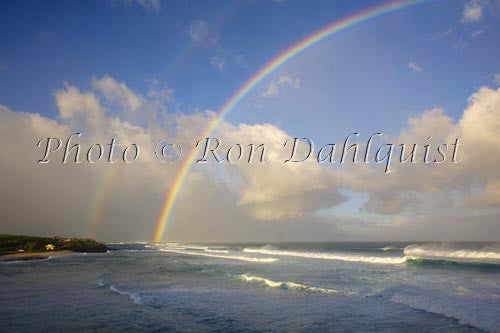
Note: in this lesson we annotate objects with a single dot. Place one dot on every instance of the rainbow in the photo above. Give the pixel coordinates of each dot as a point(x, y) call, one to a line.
point(287, 55)
point(104, 188)
point(100, 199)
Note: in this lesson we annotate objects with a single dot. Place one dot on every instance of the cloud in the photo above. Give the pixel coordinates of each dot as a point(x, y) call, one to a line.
point(224, 56)
point(218, 62)
point(240, 201)
point(391, 202)
point(272, 190)
point(473, 11)
point(201, 35)
point(441, 34)
point(117, 92)
point(81, 109)
point(414, 67)
point(62, 197)
point(420, 187)
point(198, 31)
point(496, 78)
point(478, 32)
point(274, 87)
point(148, 5)
point(160, 93)
point(460, 45)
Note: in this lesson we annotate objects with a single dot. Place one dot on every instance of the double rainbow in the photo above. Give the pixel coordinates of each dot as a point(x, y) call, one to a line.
point(265, 71)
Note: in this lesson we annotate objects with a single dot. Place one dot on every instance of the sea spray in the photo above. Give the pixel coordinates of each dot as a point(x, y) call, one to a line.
point(329, 256)
point(475, 252)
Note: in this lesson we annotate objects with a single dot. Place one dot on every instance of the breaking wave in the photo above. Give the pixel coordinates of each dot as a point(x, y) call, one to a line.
point(458, 252)
point(288, 285)
point(189, 247)
point(475, 255)
point(221, 256)
point(205, 248)
point(135, 297)
point(328, 256)
point(389, 248)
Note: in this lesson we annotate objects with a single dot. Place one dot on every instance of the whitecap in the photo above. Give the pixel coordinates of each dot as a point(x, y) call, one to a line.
point(232, 257)
point(329, 256)
point(288, 285)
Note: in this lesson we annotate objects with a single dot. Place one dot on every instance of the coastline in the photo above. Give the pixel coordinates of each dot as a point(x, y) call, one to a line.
point(38, 255)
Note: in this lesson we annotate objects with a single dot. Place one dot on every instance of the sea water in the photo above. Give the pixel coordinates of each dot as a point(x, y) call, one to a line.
point(289, 287)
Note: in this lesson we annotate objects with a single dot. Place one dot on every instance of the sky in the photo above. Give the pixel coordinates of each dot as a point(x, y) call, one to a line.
point(141, 70)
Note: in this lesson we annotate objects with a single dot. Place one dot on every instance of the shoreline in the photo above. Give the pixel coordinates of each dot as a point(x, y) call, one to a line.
point(38, 255)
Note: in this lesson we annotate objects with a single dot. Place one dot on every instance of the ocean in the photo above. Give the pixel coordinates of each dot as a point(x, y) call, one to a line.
point(282, 287)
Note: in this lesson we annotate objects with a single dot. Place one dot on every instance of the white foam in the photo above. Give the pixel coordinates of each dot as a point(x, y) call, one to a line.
point(232, 257)
point(216, 251)
point(486, 254)
point(329, 256)
point(135, 297)
point(288, 285)
point(203, 248)
point(389, 248)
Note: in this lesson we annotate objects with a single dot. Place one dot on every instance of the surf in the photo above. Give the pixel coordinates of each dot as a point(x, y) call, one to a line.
point(455, 252)
point(220, 256)
point(329, 256)
point(288, 285)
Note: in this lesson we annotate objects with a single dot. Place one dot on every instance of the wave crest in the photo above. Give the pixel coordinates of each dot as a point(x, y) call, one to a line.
point(454, 252)
point(329, 256)
point(135, 297)
point(288, 285)
point(232, 257)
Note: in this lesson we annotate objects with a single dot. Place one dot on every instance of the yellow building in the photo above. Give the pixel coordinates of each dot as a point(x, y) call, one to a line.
point(49, 247)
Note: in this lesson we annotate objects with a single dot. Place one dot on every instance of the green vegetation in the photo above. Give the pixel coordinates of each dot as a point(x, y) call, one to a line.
point(17, 243)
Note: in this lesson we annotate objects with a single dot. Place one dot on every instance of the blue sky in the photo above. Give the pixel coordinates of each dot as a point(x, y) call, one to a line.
point(47, 44)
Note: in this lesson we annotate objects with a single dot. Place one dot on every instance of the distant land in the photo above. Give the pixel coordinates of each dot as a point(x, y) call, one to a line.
point(20, 247)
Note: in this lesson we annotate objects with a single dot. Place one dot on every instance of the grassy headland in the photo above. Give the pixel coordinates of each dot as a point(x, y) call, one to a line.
point(18, 244)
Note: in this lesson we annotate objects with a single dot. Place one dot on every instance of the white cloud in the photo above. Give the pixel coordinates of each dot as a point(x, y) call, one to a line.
point(115, 91)
point(160, 93)
point(274, 87)
point(414, 67)
point(441, 34)
point(478, 32)
point(148, 5)
point(218, 62)
point(496, 78)
point(135, 192)
point(460, 45)
point(200, 34)
point(198, 31)
point(277, 191)
point(224, 56)
point(417, 200)
point(422, 188)
point(81, 109)
point(473, 11)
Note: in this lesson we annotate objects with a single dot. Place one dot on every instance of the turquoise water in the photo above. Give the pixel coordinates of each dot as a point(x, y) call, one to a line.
point(334, 287)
